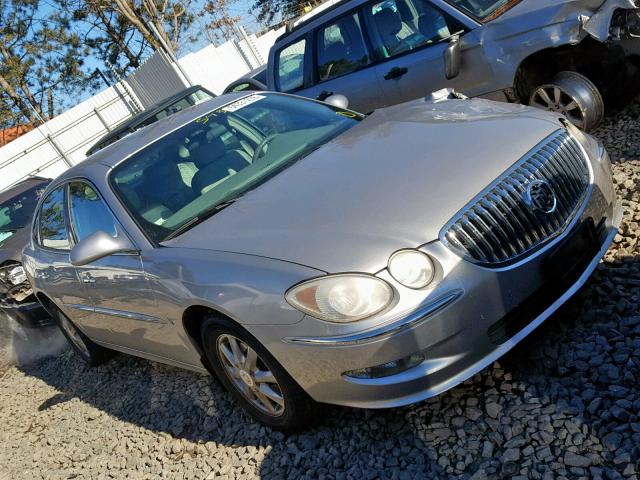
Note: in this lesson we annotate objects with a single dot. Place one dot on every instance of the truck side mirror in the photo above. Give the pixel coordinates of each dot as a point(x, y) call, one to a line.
point(337, 100)
point(452, 58)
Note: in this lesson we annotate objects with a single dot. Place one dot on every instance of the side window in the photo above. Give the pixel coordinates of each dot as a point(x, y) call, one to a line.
point(341, 48)
point(88, 212)
point(398, 26)
point(290, 67)
point(52, 223)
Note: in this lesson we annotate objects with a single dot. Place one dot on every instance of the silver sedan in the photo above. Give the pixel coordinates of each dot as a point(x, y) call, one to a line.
point(305, 253)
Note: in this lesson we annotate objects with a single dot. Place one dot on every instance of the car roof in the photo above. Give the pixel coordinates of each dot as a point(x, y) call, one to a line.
point(22, 186)
point(144, 115)
point(113, 154)
point(303, 20)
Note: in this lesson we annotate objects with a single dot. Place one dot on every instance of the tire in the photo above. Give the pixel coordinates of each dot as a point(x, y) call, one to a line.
point(296, 411)
point(92, 353)
point(574, 96)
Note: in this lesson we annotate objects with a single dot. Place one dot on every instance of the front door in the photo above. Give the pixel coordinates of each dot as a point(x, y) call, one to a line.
point(54, 273)
point(124, 306)
point(411, 36)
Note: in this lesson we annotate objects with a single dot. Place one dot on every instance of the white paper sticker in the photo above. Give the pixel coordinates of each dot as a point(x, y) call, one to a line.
point(243, 102)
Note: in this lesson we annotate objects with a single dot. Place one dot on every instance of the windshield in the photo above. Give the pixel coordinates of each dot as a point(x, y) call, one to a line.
point(16, 212)
point(198, 169)
point(484, 10)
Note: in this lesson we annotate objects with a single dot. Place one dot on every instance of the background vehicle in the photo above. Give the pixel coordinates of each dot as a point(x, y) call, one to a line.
point(318, 254)
point(17, 205)
point(173, 104)
point(254, 80)
point(554, 55)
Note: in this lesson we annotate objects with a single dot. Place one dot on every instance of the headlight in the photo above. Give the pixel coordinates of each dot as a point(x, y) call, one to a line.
point(594, 148)
point(341, 298)
point(17, 275)
point(412, 268)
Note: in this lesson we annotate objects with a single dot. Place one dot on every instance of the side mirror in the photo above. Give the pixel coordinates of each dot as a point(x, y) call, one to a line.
point(337, 100)
point(99, 245)
point(452, 58)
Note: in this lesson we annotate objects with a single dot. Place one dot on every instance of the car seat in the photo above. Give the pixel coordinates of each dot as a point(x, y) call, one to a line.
point(215, 164)
point(152, 212)
point(163, 184)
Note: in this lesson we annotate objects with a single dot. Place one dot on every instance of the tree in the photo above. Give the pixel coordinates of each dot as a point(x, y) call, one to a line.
point(40, 58)
point(120, 32)
point(219, 22)
point(270, 11)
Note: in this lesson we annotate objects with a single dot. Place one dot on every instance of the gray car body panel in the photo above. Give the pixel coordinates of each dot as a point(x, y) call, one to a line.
point(491, 52)
point(356, 224)
point(417, 164)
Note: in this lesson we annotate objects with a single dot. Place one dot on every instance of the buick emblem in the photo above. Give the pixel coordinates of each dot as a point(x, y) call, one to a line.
point(540, 196)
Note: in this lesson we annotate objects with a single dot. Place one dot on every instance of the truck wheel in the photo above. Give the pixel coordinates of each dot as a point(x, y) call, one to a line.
point(92, 353)
point(574, 96)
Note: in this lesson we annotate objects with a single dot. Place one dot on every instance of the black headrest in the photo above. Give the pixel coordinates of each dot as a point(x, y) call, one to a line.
point(388, 22)
point(206, 153)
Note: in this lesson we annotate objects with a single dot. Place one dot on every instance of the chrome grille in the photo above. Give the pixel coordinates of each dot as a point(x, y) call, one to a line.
point(499, 226)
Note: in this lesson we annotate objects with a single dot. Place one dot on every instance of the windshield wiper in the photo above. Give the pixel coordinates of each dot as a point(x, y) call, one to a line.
point(201, 217)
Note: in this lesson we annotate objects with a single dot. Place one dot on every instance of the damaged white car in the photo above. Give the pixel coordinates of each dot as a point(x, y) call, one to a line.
point(560, 55)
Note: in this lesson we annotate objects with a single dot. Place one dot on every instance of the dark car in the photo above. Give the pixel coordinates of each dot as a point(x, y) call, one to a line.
point(255, 80)
point(173, 104)
point(17, 205)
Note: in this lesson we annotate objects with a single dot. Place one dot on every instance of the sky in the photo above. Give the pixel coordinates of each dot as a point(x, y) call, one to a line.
point(239, 8)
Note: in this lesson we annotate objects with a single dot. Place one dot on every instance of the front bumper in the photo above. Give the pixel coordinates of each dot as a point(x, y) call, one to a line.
point(27, 314)
point(473, 317)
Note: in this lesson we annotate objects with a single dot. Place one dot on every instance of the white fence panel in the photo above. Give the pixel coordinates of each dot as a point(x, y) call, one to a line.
point(73, 132)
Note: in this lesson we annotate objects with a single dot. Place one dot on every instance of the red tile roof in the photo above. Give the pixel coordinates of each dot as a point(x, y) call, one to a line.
point(9, 134)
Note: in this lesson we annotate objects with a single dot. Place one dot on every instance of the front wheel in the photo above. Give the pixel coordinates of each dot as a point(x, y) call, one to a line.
point(574, 96)
point(255, 378)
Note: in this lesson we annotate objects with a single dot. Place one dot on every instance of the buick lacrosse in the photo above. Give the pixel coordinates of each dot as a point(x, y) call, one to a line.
point(304, 253)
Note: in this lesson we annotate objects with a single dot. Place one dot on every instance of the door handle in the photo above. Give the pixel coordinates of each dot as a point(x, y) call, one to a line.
point(88, 278)
point(395, 72)
point(324, 95)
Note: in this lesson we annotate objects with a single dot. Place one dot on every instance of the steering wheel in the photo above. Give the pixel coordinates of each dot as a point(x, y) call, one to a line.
point(258, 152)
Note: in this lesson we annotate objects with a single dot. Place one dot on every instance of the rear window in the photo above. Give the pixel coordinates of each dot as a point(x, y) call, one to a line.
point(341, 48)
point(290, 67)
point(484, 10)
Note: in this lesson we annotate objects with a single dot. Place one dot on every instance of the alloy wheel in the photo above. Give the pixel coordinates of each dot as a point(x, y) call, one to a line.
point(250, 375)
point(572, 95)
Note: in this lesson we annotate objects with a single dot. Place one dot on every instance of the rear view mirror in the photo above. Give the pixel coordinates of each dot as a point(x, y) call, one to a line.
point(452, 58)
point(99, 245)
point(337, 100)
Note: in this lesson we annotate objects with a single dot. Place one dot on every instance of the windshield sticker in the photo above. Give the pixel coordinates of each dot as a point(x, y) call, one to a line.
point(243, 102)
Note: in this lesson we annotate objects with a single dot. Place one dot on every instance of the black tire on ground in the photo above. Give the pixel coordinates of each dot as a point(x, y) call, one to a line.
point(573, 95)
point(92, 353)
point(298, 410)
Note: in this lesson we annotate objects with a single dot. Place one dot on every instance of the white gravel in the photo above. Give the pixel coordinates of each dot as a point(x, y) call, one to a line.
point(564, 404)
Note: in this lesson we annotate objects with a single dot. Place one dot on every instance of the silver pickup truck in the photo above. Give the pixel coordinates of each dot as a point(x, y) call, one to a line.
point(560, 55)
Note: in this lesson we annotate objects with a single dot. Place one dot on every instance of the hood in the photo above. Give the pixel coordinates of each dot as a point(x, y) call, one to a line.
point(11, 247)
point(390, 182)
point(594, 15)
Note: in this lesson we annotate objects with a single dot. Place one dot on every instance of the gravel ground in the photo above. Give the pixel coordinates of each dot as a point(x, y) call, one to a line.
point(564, 404)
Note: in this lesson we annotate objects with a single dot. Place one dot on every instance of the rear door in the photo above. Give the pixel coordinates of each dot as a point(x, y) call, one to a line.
point(343, 64)
point(124, 306)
